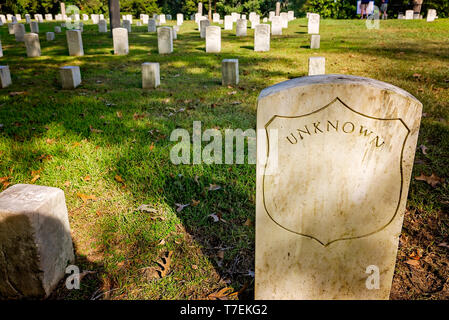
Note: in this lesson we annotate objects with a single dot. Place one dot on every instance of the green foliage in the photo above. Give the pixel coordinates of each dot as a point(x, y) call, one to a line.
point(342, 9)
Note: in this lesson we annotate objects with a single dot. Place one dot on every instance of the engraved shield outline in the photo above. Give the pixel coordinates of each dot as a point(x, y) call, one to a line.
point(316, 111)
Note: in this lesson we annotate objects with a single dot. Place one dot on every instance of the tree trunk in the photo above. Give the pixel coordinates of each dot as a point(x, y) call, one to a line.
point(114, 14)
point(210, 10)
point(417, 6)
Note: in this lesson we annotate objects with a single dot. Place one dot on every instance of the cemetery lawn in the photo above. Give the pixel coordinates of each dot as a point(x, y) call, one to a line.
point(106, 144)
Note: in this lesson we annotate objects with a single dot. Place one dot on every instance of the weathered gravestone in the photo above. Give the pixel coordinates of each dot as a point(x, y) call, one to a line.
point(276, 26)
point(317, 66)
point(213, 39)
point(333, 171)
point(179, 19)
point(313, 26)
point(34, 26)
point(255, 21)
point(11, 28)
point(164, 40)
point(228, 23)
point(57, 29)
point(262, 38)
point(151, 25)
point(120, 40)
point(5, 76)
point(70, 77)
point(19, 32)
point(162, 19)
point(315, 41)
point(35, 240)
point(409, 14)
point(284, 20)
point(216, 17)
point(50, 36)
point(431, 14)
point(102, 26)
point(241, 26)
point(150, 75)
point(32, 44)
point(271, 14)
point(291, 15)
point(229, 72)
point(127, 25)
point(1, 50)
point(278, 8)
point(203, 24)
point(75, 42)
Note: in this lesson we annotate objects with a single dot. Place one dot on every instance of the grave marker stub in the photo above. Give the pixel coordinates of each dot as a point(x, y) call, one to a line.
point(75, 42)
point(333, 171)
point(19, 32)
point(431, 14)
point(5, 76)
point(228, 22)
point(213, 39)
point(409, 15)
point(313, 26)
point(203, 24)
point(151, 25)
point(150, 75)
point(229, 72)
point(262, 38)
point(241, 27)
point(317, 66)
point(35, 238)
point(164, 40)
point(120, 39)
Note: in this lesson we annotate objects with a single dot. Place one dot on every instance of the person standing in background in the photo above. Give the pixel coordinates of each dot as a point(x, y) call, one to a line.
point(363, 8)
point(383, 9)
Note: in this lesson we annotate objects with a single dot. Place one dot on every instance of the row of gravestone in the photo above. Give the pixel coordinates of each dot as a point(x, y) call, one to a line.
point(335, 157)
point(166, 35)
point(411, 15)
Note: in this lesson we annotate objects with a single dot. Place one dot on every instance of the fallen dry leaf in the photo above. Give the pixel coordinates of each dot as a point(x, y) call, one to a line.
point(433, 179)
point(86, 197)
point(423, 149)
point(221, 294)
point(67, 183)
point(86, 178)
point(444, 244)
point(118, 178)
point(195, 202)
point(248, 222)
point(35, 178)
point(412, 262)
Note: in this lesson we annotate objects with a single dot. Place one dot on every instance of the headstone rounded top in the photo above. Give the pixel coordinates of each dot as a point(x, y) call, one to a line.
point(332, 78)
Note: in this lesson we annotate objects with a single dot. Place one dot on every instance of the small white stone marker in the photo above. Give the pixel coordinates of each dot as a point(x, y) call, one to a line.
point(50, 36)
point(70, 77)
point(317, 66)
point(334, 163)
point(75, 42)
point(32, 45)
point(228, 23)
point(164, 40)
point(35, 238)
point(216, 18)
point(1, 49)
point(255, 21)
point(276, 26)
point(313, 25)
point(102, 26)
point(151, 25)
point(203, 24)
point(11, 28)
point(57, 29)
point(431, 15)
point(120, 40)
point(241, 27)
point(409, 15)
point(229, 72)
point(34, 26)
point(284, 20)
point(262, 38)
point(19, 32)
point(127, 25)
point(315, 41)
point(5, 76)
point(179, 19)
point(213, 39)
point(151, 78)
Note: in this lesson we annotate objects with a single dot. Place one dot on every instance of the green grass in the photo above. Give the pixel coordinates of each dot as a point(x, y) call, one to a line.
point(115, 239)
